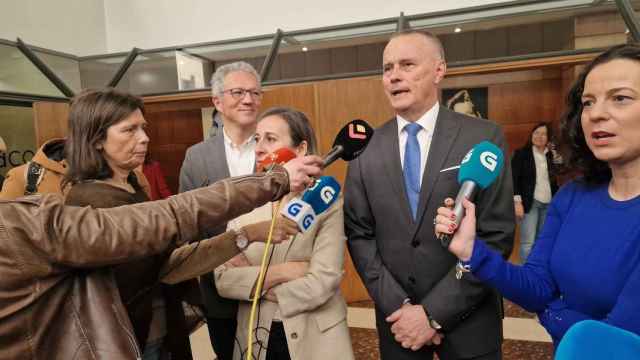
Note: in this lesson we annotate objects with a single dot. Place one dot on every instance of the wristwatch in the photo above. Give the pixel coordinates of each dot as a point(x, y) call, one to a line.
point(242, 242)
point(433, 323)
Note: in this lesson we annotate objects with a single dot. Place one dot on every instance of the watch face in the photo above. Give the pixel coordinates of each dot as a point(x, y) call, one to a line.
point(242, 242)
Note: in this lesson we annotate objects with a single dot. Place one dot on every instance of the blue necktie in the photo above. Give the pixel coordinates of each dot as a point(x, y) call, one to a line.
point(411, 168)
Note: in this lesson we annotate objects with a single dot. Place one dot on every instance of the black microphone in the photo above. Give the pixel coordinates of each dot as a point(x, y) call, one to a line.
point(350, 142)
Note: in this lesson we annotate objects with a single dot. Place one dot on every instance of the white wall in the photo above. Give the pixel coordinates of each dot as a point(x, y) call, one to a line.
point(160, 23)
point(72, 26)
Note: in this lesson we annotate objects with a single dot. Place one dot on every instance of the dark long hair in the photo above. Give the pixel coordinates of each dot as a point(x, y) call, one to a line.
point(92, 112)
point(536, 127)
point(299, 126)
point(578, 155)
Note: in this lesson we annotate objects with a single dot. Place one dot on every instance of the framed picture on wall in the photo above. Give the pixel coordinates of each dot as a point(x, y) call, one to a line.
point(469, 101)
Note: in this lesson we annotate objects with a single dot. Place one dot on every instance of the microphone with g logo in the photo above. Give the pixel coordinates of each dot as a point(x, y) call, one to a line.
point(314, 202)
point(479, 168)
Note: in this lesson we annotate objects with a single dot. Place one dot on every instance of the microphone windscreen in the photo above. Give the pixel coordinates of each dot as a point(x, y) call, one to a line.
point(280, 156)
point(323, 193)
point(299, 212)
point(354, 138)
point(482, 164)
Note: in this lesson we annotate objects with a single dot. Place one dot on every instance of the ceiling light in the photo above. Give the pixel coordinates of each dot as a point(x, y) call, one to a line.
point(457, 29)
point(304, 48)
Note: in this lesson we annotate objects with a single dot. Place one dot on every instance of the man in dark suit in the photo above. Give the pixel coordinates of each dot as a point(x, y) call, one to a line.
point(392, 192)
point(229, 151)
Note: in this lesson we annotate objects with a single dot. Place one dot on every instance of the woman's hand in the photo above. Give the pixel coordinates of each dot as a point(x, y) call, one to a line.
point(465, 234)
point(295, 269)
point(285, 272)
point(239, 260)
point(283, 229)
point(270, 295)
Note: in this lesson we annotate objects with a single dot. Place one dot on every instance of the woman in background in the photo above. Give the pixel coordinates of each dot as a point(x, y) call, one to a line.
point(157, 184)
point(534, 184)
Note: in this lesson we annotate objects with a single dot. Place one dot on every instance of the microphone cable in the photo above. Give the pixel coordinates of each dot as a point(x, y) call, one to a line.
point(261, 276)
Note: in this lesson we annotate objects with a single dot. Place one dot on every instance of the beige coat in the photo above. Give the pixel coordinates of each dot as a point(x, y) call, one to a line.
point(313, 311)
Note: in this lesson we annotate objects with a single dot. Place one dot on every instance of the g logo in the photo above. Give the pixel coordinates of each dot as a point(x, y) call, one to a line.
point(327, 194)
point(467, 157)
point(294, 209)
point(307, 221)
point(489, 160)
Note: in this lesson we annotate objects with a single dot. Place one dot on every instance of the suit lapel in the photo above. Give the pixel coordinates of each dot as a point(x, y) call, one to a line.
point(216, 160)
point(445, 132)
point(392, 164)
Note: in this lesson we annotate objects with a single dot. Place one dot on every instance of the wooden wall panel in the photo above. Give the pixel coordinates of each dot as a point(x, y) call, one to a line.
point(340, 101)
point(518, 106)
point(50, 120)
point(298, 96)
point(170, 134)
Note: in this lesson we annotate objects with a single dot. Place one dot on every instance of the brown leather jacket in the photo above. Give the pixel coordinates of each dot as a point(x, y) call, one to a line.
point(58, 298)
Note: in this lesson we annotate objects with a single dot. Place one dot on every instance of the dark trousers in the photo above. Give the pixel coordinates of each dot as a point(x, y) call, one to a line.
point(390, 349)
point(222, 333)
point(277, 348)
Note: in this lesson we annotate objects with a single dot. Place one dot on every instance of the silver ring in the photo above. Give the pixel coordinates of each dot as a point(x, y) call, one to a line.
point(434, 221)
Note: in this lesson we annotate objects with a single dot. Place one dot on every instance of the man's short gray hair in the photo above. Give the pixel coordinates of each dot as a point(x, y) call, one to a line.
point(427, 35)
point(217, 79)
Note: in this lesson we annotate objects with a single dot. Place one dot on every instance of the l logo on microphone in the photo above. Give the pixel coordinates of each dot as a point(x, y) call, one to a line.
point(489, 160)
point(359, 132)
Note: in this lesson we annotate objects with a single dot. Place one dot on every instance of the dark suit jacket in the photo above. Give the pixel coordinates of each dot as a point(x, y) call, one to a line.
point(205, 163)
point(524, 175)
point(398, 258)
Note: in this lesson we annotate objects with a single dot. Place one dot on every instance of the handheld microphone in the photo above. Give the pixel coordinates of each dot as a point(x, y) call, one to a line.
point(314, 202)
point(279, 157)
point(479, 168)
point(350, 142)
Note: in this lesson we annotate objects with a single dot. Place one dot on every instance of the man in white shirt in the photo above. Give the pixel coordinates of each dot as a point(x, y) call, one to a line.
point(229, 151)
point(392, 192)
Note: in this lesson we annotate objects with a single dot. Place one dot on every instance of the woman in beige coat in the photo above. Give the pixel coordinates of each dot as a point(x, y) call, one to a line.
point(302, 315)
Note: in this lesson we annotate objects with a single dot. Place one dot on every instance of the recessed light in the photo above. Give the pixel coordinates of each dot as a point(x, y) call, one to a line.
point(304, 48)
point(457, 29)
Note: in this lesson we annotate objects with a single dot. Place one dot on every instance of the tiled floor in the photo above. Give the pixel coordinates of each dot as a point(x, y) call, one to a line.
point(525, 339)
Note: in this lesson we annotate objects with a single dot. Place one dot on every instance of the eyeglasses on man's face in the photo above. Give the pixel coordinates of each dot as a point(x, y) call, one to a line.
point(239, 93)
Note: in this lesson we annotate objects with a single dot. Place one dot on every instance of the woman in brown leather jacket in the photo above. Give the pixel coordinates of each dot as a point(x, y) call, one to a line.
point(106, 142)
point(58, 298)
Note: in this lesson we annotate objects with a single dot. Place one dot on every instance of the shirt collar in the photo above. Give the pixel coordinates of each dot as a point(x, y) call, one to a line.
point(427, 121)
point(248, 143)
point(536, 151)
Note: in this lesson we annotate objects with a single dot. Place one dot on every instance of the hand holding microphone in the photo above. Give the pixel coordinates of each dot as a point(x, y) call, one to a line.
point(283, 229)
point(480, 168)
point(301, 170)
point(314, 202)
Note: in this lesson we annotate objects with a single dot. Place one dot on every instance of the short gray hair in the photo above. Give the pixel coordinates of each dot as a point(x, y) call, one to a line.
point(217, 79)
point(427, 35)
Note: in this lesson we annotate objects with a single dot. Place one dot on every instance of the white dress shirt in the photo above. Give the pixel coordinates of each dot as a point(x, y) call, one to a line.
point(428, 123)
point(542, 191)
point(240, 159)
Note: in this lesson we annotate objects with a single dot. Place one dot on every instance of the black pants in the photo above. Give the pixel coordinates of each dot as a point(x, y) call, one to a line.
point(222, 333)
point(277, 348)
